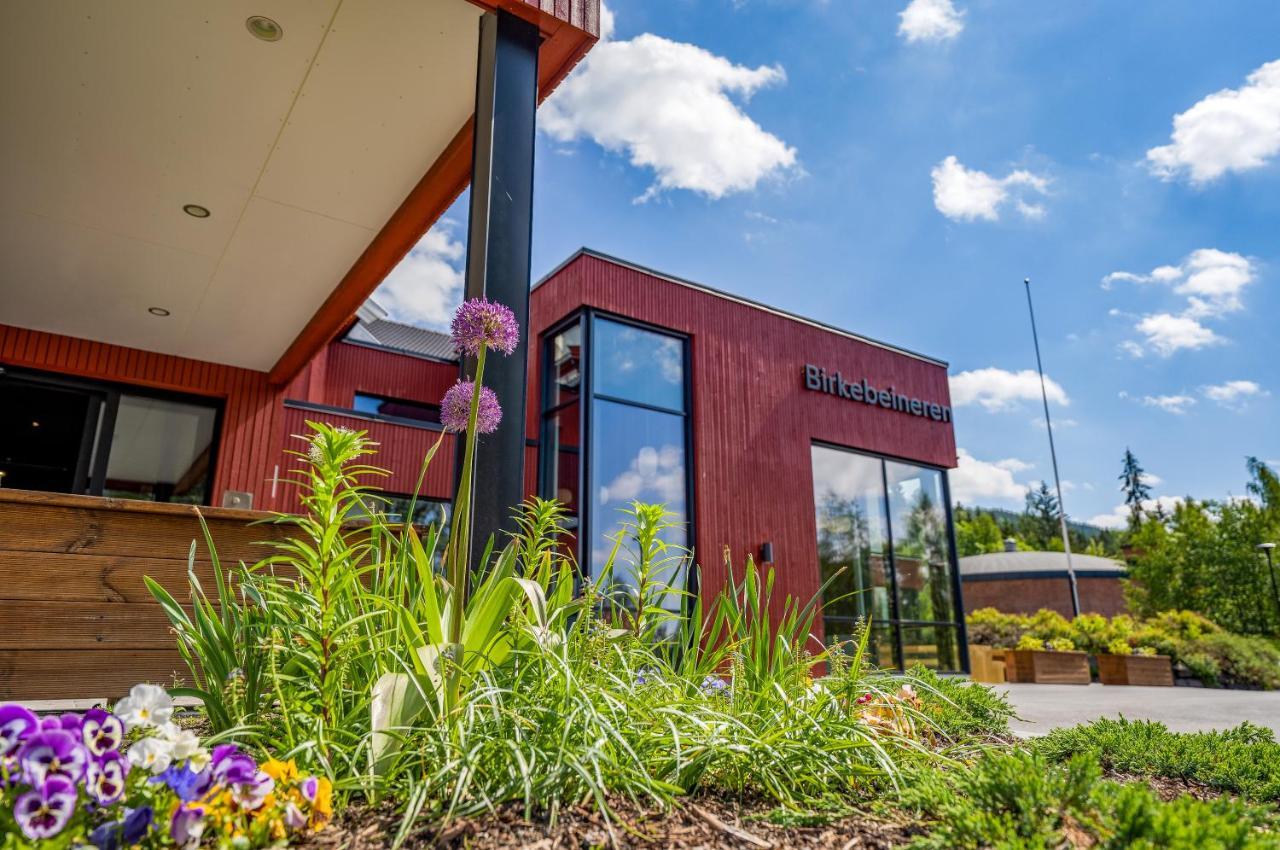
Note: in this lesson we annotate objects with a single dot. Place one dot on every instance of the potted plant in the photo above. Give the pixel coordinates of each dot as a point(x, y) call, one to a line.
point(1056, 662)
point(1121, 664)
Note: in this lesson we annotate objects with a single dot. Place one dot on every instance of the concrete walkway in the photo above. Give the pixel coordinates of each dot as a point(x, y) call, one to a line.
point(1044, 707)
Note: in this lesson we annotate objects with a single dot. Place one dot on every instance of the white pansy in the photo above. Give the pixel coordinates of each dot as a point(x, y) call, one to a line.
point(146, 705)
point(183, 743)
point(154, 754)
point(199, 759)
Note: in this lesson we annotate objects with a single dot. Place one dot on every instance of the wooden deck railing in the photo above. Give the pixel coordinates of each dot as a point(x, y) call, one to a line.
point(76, 620)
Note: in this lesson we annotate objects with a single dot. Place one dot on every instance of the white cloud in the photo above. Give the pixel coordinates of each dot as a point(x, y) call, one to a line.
point(1230, 130)
point(1151, 479)
point(674, 108)
point(1169, 403)
point(1167, 333)
point(973, 480)
point(426, 287)
point(655, 474)
point(930, 20)
point(963, 194)
point(999, 389)
point(1211, 281)
point(1066, 422)
point(1234, 395)
point(1119, 515)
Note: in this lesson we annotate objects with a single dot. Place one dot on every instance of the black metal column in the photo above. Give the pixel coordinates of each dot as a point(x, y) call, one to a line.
point(498, 245)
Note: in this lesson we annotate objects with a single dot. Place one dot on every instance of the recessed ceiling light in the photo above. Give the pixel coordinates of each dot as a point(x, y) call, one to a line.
point(35, 424)
point(196, 211)
point(157, 311)
point(264, 28)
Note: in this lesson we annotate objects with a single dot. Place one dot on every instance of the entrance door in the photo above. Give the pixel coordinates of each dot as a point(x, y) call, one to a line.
point(48, 434)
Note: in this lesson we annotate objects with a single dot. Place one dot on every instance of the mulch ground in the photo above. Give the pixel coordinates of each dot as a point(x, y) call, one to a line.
point(1168, 788)
point(705, 823)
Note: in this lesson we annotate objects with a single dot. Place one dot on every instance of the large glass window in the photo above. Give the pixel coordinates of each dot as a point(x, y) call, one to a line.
point(885, 544)
point(397, 408)
point(631, 400)
point(75, 436)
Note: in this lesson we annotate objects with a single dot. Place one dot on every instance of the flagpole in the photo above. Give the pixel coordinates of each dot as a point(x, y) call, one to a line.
point(1053, 454)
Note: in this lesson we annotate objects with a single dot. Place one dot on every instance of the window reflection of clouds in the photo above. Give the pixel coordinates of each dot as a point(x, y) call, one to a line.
point(638, 365)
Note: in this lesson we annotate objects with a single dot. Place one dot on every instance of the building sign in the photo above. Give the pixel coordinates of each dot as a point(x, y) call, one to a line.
point(833, 383)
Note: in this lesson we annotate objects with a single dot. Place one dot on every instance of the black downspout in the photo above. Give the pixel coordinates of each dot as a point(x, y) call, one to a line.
point(499, 237)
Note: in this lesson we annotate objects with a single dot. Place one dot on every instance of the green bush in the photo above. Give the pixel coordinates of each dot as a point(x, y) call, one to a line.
point(989, 627)
point(1244, 760)
point(961, 709)
point(1022, 799)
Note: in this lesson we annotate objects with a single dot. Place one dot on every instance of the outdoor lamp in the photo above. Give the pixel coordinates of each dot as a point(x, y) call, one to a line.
point(1268, 548)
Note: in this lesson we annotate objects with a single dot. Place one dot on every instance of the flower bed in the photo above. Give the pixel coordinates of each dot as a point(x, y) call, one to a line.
point(133, 776)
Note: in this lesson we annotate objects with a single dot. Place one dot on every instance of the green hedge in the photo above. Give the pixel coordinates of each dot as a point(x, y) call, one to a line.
point(1216, 657)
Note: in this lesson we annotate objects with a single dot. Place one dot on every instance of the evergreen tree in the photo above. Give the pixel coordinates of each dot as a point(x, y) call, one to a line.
point(1135, 489)
point(1042, 516)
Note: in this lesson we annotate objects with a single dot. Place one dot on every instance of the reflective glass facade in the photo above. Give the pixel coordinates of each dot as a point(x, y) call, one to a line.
point(884, 534)
point(626, 387)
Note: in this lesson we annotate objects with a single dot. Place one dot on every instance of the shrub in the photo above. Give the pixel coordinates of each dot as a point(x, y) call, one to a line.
point(1020, 799)
point(1119, 646)
point(989, 627)
point(1061, 645)
point(1244, 760)
point(1030, 643)
point(962, 710)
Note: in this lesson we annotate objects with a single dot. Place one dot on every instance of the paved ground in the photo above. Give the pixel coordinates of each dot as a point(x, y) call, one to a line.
point(1045, 707)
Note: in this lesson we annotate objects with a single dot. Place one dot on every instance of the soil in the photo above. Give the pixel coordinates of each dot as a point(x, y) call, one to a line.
point(701, 823)
point(1167, 788)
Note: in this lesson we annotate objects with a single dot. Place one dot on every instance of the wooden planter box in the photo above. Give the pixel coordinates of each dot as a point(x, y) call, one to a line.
point(986, 664)
point(1154, 670)
point(1046, 667)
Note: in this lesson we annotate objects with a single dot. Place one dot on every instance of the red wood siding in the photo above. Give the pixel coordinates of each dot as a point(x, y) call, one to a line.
point(251, 406)
point(1098, 595)
point(753, 421)
point(343, 369)
point(401, 450)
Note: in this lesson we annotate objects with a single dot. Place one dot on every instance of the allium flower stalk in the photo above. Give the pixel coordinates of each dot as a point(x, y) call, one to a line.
point(470, 407)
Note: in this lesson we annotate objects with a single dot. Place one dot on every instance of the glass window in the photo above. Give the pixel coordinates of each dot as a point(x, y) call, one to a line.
point(160, 451)
point(936, 647)
point(637, 365)
point(921, 547)
point(852, 537)
point(642, 459)
point(903, 584)
point(561, 454)
point(564, 371)
point(397, 407)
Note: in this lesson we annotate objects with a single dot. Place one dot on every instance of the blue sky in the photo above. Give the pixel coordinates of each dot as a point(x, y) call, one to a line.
point(897, 169)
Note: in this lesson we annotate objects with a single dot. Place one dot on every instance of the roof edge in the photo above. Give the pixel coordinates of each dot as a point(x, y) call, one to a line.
point(728, 296)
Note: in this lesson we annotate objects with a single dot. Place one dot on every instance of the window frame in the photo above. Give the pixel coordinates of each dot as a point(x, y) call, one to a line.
point(91, 473)
point(896, 624)
point(585, 318)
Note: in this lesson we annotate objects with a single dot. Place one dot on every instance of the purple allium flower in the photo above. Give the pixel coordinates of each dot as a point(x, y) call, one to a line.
point(104, 778)
point(480, 322)
point(101, 731)
point(16, 725)
point(186, 826)
point(43, 812)
point(50, 753)
point(455, 408)
point(185, 783)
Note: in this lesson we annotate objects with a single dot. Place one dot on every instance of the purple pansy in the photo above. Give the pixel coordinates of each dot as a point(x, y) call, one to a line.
point(294, 817)
point(101, 731)
point(480, 322)
point(186, 826)
point(16, 725)
point(104, 778)
point(230, 766)
point(52, 752)
point(455, 408)
point(186, 783)
point(135, 826)
point(43, 811)
point(251, 795)
point(309, 788)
